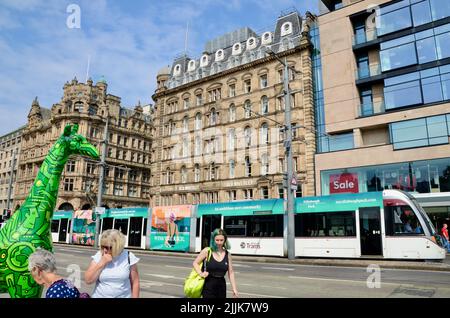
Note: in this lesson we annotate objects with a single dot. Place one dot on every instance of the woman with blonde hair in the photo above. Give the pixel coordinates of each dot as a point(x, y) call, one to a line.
point(113, 269)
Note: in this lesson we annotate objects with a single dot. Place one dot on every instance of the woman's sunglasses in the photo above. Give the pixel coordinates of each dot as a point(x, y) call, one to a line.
point(106, 247)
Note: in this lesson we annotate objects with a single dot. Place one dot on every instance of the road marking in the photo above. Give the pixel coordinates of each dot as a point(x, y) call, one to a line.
point(341, 280)
point(279, 268)
point(183, 267)
point(161, 276)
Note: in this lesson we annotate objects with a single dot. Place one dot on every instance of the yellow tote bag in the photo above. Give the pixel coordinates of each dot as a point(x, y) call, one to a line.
point(193, 284)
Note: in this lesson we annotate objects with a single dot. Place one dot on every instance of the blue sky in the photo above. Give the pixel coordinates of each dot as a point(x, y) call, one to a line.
point(127, 42)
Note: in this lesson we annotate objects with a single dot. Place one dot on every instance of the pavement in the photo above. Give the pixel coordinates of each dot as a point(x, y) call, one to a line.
point(443, 265)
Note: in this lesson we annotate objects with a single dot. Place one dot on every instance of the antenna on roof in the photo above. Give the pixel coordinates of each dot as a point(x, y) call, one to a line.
point(87, 70)
point(186, 38)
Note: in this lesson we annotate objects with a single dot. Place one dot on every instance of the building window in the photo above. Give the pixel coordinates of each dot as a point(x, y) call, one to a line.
point(199, 99)
point(197, 173)
point(264, 192)
point(68, 184)
point(232, 168)
point(132, 191)
point(232, 113)
point(183, 175)
point(281, 191)
point(186, 103)
point(247, 108)
point(264, 134)
point(214, 95)
point(248, 194)
point(265, 164)
point(231, 139)
point(185, 124)
point(232, 90)
point(247, 86)
point(212, 172)
point(248, 136)
point(232, 195)
point(248, 167)
point(198, 146)
point(198, 121)
point(419, 132)
point(264, 105)
point(263, 81)
point(70, 166)
point(213, 117)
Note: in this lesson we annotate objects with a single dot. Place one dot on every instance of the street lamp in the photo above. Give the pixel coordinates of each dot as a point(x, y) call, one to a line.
point(290, 178)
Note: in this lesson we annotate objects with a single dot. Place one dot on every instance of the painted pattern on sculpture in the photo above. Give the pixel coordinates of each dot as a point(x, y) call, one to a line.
point(29, 227)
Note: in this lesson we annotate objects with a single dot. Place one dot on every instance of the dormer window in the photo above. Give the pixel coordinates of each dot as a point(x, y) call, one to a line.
point(177, 70)
point(267, 38)
point(286, 28)
point(219, 55)
point(191, 66)
point(204, 60)
point(237, 49)
point(251, 43)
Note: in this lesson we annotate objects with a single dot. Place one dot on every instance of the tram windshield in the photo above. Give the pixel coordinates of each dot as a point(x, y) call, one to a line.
point(422, 212)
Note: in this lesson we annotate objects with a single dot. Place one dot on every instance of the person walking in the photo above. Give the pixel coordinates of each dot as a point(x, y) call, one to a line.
point(113, 269)
point(218, 265)
point(444, 231)
point(42, 266)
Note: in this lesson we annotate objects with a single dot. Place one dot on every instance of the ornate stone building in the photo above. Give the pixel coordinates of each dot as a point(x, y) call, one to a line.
point(127, 175)
point(218, 118)
point(9, 144)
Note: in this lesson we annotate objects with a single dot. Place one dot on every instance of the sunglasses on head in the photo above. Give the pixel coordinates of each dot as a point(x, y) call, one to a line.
point(106, 247)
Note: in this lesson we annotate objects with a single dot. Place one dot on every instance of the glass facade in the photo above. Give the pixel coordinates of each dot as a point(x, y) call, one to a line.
point(415, 176)
point(420, 132)
point(427, 86)
point(422, 47)
point(407, 13)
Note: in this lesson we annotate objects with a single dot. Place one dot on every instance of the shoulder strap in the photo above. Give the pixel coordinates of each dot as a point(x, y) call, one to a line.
point(208, 258)
point(128, 257)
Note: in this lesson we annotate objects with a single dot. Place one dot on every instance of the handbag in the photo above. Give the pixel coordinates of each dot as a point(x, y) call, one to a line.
point(193, 284)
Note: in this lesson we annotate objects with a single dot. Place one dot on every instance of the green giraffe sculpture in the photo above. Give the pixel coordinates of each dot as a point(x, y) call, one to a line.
point(29, 227)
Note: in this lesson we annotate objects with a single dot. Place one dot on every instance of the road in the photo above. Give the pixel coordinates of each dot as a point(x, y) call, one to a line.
point(163, 276)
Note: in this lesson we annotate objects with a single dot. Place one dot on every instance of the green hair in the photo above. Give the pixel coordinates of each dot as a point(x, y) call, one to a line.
point(212, 243)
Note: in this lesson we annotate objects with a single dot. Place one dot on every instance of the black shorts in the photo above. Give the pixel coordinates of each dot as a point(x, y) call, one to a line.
point(215, 287)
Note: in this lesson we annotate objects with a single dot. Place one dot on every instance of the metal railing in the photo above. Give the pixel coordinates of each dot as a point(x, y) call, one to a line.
point(366, 72)
point(369, 109)
point(368, 36)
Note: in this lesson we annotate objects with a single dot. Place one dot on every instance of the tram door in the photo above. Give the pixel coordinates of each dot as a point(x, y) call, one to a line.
point(135, 236)
point(63, 225)
point(370, 231)
point(210, 223)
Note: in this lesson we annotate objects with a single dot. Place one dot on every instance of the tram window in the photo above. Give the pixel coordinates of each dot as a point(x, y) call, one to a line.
point(107, 223)
point(341, 224)
point(254, 226)
point(401, 220)
point(121, 225)
point(55, 226)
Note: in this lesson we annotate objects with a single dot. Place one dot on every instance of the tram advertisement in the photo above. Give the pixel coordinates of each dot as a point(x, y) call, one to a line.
point(83, 227)
point(170, 228)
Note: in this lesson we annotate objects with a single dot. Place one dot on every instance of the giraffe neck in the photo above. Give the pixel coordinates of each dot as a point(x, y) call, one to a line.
point(44, 191)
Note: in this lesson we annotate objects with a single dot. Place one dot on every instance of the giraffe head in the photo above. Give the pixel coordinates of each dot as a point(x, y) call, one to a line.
point(74, 143)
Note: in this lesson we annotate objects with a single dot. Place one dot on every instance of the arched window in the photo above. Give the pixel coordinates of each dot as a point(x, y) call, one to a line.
point(197, 173)
point(212, 171)
point(231, 139)
point(264, 134)
point(198, 146)
point(247, 108)
point(264, 164)
point(185, 124)
point(185, 148)
point(286, 28)
point(198, 121)
point(264, 105)
point(248, 167)
point(232, 166)
point(248, 136)
point(213, 117)
point(168, 176)
point(183, 174)
point(232, 113)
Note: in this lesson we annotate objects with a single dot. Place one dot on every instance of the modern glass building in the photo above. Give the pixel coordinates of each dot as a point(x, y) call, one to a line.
point(385, 69)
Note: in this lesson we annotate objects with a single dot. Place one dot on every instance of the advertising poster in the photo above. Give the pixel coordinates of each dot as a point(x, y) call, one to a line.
point(170, 228)
point(344, 183)
point(83, 232)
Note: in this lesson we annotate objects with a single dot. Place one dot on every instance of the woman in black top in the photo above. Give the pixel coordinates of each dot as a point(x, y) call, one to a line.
point(218, 265)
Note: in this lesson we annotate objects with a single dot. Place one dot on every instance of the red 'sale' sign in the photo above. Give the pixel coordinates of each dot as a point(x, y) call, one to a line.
point(345, 182)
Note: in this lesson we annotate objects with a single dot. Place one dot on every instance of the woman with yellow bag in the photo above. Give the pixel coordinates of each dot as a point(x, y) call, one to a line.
point(216, 267)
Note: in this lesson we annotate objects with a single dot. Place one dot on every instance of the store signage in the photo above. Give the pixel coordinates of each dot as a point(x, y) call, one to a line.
point(344, 183)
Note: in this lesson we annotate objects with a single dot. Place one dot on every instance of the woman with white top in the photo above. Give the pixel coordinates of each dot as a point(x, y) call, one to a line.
point(113, 269)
